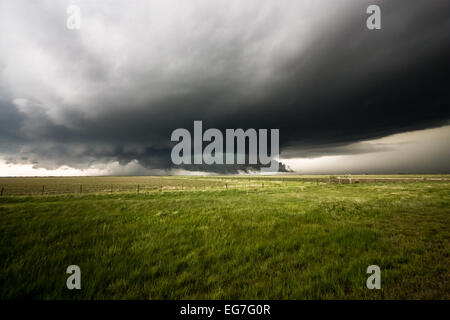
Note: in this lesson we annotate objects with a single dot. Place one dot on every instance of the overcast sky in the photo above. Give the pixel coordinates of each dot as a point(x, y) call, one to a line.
point(104, 99)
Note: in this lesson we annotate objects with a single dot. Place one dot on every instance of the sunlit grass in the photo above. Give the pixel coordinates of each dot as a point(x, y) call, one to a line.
point(286, 240)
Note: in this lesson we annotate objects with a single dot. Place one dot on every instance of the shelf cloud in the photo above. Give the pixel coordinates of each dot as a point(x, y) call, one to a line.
point(114, 90)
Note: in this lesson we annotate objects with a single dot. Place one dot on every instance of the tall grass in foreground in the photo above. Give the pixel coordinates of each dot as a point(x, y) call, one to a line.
point(297, 241)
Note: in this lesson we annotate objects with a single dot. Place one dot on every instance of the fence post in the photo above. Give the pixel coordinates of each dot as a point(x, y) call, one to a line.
point(263, 184)
point(1, 192)
point(226, 187)
point(160, 189)
point(43, 189)
point(138, 188)
point(110, 191)
point(81, 188)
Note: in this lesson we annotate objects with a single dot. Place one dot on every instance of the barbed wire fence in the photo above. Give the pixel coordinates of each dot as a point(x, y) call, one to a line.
point(18, 189)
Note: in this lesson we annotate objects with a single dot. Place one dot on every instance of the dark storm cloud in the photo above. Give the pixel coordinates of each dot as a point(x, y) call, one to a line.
point(116, 91)
point(10, 123)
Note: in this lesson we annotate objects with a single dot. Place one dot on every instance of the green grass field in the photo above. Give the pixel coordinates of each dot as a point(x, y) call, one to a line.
point(224, 237)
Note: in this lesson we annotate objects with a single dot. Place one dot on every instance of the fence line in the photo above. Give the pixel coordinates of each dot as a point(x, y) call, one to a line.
point(212, 185)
